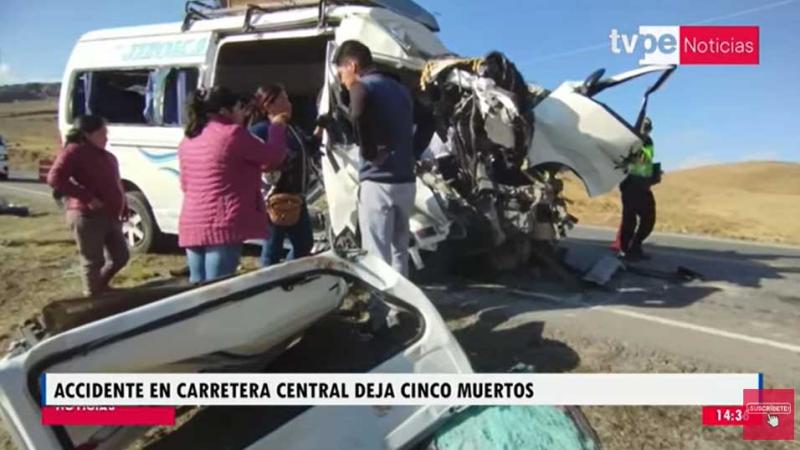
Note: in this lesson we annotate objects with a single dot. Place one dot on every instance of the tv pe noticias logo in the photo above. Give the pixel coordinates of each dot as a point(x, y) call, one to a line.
point(690, 44)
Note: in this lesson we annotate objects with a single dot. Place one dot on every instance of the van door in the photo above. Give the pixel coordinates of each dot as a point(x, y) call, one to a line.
point(340, 161)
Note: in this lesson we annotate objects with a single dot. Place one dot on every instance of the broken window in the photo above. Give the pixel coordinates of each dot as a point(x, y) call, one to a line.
point(180, 84)
point(136, 96)
point(119, 96)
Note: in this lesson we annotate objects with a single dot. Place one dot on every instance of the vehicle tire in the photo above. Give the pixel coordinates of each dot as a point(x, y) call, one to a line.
point(3, 177)
point(140, 230)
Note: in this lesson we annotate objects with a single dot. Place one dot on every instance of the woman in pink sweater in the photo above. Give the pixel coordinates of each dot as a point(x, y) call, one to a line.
point(220, 173)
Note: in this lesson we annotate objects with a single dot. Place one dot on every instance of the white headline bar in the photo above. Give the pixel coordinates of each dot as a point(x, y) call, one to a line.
point(396, 389)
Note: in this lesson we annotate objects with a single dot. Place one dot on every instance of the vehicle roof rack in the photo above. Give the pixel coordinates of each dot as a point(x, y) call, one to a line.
point(196, 9)
point(191, 13)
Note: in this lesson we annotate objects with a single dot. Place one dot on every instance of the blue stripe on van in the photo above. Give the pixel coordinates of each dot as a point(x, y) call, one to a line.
point(170, 170)
point(158, 158)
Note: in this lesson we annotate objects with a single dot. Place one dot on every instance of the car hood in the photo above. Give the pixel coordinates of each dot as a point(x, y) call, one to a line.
point(575, 130)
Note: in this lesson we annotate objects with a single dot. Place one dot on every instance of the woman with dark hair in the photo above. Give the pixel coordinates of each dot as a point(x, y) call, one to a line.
point(220, 173)
point(286, 201)
point(88, 175)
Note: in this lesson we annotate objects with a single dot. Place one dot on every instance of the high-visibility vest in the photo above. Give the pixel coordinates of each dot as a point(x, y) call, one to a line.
point(643, 167)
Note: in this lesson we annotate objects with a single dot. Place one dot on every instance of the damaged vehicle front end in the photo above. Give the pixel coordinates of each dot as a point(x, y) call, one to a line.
point(504, 143)
point(489, 183)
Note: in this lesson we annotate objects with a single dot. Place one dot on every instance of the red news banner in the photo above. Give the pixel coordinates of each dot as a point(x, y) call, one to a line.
point(766, 415)
point(719, 44)
point(108, 415)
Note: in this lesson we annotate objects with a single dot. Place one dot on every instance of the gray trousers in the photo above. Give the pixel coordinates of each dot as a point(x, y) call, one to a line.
point(383, 213)
point(102, 248)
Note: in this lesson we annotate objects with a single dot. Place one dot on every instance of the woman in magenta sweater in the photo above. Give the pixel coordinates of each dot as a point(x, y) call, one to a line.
point(220, 173)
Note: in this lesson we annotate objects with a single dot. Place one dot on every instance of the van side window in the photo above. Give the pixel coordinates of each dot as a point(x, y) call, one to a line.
point(120, 96)
point(135, 96)
point(79, 105)
point(180, 84)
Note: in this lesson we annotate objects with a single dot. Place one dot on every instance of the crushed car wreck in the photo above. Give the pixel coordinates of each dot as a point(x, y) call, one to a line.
point(491, 177)
point(286, 318)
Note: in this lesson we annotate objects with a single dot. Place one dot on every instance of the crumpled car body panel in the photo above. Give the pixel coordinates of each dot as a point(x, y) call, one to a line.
point(219, 327)
point(195, 330)
point(574, 130)
point(490, 175)
point(577, 132)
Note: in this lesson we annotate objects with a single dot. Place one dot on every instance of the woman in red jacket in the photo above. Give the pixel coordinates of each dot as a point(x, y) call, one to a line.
point(88, 175)
point(220, 173)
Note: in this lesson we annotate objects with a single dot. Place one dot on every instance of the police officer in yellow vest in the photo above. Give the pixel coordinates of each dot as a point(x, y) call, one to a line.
point(638, 203)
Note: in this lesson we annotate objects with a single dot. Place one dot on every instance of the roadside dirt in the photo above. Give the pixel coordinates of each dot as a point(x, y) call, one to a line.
point(30, 132)
point(757, 201)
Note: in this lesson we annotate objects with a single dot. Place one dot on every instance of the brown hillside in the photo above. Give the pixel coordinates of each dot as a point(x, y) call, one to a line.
point(30, 131)
point(755, 200)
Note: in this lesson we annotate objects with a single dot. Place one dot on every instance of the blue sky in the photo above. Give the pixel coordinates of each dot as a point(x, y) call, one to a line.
point(704, 114)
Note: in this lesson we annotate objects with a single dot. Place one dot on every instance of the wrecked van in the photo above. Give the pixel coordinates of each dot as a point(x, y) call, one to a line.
point(292, 317)
point(490, 181)
point(139, 78)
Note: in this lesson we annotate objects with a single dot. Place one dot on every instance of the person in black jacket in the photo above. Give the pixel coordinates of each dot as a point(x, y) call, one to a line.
point(293, 179)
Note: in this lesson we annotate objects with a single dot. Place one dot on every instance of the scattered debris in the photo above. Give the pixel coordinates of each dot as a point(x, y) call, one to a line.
point(689, 274)
point(680, 274)
point(11, 209)
point(603, 270)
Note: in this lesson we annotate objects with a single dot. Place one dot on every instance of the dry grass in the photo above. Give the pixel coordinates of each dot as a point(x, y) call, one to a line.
point(39, 264)
point(757, 201)
point(30, 131)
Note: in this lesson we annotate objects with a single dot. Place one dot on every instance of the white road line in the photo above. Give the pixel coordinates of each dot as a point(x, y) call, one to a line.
point(574, 300)
point(27, 191)
point(697, 237)
point(701, 329)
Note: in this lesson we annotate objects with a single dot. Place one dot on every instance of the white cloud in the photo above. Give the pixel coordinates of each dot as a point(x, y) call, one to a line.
point(697, 160)
point(6, 77)
point(760, 156)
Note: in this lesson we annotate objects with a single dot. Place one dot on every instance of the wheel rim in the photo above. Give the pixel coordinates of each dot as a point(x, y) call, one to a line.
point(133, 230)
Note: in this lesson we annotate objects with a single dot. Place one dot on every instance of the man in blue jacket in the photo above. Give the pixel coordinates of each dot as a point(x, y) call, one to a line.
point(382, 113)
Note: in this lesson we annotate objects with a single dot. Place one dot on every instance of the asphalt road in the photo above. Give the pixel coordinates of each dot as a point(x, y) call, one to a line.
point(24, 188)
point(742, 316)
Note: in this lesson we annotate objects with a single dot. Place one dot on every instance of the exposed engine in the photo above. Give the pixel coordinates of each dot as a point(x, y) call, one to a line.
point(483, 111)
